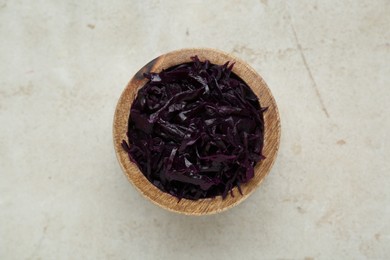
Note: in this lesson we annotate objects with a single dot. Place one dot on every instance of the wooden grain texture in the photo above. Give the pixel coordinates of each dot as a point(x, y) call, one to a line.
point(202, 206)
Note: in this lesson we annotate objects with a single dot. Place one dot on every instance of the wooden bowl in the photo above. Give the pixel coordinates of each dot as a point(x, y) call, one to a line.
point(202, 206)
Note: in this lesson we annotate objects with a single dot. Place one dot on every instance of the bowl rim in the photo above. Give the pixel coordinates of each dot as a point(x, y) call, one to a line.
point(209, 205)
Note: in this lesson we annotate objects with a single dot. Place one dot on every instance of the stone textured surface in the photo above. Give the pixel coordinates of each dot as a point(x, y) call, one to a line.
point(63, 65)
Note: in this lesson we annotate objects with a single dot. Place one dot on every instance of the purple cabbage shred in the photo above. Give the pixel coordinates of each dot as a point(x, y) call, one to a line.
point(196, 130)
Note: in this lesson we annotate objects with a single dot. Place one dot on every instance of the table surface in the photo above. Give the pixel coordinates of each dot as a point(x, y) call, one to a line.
point(63, 65)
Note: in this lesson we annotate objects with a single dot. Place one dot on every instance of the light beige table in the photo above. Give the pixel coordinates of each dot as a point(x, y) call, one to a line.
point(63, 65)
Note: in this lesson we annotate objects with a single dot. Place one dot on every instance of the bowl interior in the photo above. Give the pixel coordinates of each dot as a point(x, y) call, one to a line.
point(271, 132)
